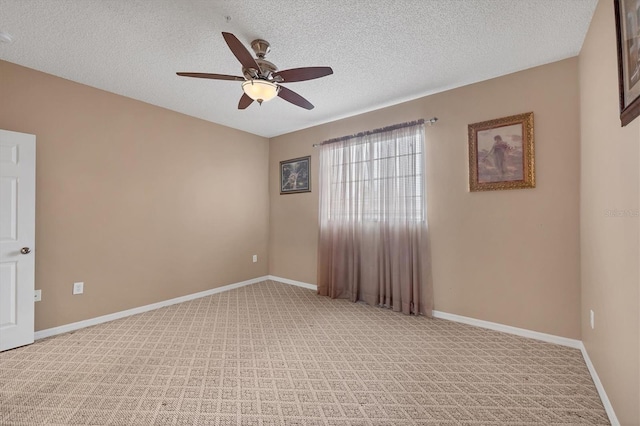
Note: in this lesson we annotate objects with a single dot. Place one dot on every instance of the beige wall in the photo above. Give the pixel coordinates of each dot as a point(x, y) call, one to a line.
point(510, 257)
point(609, 244)
point(141, 203)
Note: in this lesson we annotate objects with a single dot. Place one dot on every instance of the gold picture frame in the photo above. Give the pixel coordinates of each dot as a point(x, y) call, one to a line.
point(501, 154)
point(628, 43)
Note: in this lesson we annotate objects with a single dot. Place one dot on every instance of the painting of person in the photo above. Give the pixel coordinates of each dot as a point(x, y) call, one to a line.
point(499, 150)
point(500, 157)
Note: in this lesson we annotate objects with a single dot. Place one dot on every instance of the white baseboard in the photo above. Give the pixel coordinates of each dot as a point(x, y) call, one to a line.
point(122, 314)
point(603, 394)
point(293, 282)
point(550, 338)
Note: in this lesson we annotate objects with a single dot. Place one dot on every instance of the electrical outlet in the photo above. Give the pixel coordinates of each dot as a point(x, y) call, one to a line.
point(255, 258)
point(37, 296)
point(78, 288)
point(592, 319)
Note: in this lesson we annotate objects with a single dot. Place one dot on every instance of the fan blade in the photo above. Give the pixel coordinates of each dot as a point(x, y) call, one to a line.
point(245, 101)
point(211, 76)
point(294, 98)
point(303, 74)
point(240, 52)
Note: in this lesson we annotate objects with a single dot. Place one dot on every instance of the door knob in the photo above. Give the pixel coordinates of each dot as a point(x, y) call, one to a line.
point(25, 250)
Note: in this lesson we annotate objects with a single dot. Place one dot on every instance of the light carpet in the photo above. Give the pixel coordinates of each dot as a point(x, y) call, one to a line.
point(274, 354)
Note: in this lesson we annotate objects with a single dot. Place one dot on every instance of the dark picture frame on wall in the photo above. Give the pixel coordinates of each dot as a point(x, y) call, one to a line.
point(295, 175)
point(502, 154)
point(627, 14)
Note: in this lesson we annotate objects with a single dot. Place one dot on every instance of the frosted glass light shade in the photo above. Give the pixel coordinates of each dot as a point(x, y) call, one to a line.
point(260, 90)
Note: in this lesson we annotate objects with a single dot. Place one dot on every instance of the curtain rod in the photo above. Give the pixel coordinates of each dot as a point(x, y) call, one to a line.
point(430, 122)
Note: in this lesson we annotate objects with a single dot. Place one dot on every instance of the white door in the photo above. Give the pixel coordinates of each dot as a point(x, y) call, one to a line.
point(17, 238)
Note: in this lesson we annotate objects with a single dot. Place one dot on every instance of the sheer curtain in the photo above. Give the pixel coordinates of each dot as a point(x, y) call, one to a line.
point(373, 231)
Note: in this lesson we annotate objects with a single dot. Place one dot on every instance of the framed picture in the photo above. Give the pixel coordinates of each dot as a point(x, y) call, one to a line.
point(501, 154)
point(628, 35)
point(295, 175)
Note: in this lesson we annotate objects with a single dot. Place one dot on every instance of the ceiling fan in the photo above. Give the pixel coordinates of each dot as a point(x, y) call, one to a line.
point(262, 80)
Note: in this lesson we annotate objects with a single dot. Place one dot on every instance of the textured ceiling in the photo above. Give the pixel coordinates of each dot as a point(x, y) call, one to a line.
point(382, 51)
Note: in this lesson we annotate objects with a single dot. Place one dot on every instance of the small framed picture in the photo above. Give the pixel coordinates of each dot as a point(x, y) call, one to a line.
point(501, 154)
point(295, 175)
point(628, 38)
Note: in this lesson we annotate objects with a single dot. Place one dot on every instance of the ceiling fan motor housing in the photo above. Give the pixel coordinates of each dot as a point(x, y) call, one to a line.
point(266, 69)
point(261, 48)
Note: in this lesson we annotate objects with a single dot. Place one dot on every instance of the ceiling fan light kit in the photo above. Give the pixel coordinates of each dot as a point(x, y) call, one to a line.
point(260, 90)
point(261, 79)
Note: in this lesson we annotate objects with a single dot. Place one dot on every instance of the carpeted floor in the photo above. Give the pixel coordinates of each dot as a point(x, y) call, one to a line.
point(274, 354)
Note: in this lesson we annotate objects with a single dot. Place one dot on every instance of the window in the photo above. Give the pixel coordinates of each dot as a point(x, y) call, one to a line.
point(376, 177)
